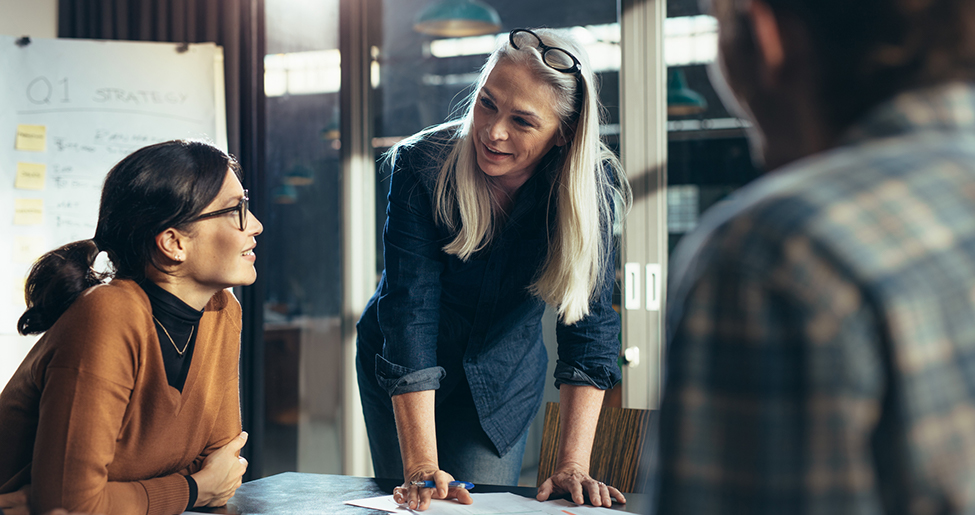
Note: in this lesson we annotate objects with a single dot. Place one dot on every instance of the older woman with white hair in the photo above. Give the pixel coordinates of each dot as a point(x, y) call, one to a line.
point(490, 218)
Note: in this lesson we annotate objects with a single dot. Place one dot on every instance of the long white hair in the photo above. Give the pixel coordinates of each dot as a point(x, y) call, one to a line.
point(585, 195)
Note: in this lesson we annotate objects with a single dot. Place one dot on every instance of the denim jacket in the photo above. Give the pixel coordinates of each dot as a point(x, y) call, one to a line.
point(435, 319)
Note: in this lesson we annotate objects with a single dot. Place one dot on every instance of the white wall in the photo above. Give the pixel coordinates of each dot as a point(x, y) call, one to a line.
point(38, 19)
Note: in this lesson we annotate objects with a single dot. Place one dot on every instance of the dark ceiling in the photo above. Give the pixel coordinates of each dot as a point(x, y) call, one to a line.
point(683, 8)
point(526, 13)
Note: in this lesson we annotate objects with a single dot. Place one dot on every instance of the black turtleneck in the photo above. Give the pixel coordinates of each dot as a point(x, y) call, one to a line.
point(179, 320)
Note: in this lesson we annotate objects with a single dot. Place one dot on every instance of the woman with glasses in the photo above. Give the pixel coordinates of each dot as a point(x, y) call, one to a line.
point(129, 401)
point(490, 218)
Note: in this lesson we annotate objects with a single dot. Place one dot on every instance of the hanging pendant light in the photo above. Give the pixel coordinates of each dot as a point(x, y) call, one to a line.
point(284, 194)
point(299, 175)
point(458, 18)
point(682, 100)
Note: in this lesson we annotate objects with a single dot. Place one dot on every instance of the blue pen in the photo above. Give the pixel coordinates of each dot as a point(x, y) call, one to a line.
point(430, 484)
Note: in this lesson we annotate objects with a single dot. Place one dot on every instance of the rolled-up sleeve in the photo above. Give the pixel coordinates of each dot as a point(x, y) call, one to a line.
point(397, 379)
point(409, 307)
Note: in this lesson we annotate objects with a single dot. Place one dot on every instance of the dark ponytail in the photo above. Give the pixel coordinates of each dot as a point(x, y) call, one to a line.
point(154, 188)
point(55, 281)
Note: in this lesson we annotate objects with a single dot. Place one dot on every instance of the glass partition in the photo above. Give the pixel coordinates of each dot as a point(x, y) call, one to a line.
point(707, 149)
point(302, 239)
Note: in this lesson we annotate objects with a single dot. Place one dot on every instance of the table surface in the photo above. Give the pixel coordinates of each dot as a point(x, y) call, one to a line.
point(304, 494)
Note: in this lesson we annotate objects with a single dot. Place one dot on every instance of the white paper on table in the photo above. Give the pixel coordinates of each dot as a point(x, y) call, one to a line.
point(564, 507)
point(484, 504)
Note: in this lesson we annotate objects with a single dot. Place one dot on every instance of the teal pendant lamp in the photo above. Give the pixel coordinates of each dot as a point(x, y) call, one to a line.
point(682, 100)
point(332, 131)
point(299, 175)
point(458, 18)
point(284, 194)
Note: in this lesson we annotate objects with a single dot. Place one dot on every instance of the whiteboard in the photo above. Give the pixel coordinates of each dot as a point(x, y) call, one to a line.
point(69, 110)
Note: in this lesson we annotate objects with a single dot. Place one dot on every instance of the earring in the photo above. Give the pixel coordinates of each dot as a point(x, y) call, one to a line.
point(178, 258)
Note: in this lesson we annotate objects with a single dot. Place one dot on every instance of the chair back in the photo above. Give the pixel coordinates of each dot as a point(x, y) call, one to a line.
point(622, 451)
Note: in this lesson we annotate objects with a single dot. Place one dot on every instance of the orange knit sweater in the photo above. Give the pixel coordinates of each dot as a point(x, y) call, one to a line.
point(90, 421)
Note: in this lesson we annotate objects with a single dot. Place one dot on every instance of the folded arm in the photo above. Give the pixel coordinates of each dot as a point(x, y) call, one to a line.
point(80, 419)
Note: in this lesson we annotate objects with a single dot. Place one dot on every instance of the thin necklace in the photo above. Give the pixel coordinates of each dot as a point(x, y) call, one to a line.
point(180, 352)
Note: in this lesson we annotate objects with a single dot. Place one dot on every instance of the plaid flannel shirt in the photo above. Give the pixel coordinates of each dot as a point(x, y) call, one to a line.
point(821, 329)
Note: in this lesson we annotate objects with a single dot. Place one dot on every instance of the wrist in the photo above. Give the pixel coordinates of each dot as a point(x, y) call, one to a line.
point(419, 470)
point(194, 493)
point(203, 493)
point(572, 465)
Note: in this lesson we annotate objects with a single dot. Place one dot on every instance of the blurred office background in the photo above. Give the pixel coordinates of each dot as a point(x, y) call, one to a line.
point(341, 81)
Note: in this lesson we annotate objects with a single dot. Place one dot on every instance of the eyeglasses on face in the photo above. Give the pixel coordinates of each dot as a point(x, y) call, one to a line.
point(241, 209)
point(555, 57)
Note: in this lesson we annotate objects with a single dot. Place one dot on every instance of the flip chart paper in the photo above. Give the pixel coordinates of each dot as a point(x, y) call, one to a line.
point(78, 107)
point(27, 249)
point(17, 293)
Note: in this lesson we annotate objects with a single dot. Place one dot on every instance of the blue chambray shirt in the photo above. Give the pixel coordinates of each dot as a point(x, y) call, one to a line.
point(435, 319)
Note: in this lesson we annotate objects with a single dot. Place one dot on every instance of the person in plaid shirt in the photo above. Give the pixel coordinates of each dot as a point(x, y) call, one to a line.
point(821, 323)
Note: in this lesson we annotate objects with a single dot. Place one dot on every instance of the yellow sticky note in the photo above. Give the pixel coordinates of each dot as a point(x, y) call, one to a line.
point(28, 211)
point(28, 248)
point(32, 137)
point(30, 176)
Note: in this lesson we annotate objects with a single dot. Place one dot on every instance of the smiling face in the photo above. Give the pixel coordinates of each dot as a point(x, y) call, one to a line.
point(515, 124)
point(219, 254)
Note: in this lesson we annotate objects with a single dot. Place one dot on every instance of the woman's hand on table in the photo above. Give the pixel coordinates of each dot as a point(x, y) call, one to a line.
point(221, 474)
point(574, 481)
point(18, 503)
point(418, 497)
